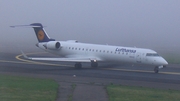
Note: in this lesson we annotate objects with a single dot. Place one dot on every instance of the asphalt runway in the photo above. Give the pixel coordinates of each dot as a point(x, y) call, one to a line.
point(125, 74)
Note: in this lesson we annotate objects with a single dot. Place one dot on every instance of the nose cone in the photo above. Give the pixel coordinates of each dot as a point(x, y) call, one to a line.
point(164, 62)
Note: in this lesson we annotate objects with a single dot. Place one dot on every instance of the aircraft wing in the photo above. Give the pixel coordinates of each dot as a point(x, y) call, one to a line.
point(68, 59)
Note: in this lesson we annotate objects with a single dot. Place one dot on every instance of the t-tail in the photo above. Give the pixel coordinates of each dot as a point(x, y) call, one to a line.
point(41, 34)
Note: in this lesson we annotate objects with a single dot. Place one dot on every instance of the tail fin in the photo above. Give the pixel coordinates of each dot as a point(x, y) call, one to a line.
point(41, 34)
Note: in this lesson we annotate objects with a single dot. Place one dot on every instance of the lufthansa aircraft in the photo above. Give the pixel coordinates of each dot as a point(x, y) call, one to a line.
point(77, 52)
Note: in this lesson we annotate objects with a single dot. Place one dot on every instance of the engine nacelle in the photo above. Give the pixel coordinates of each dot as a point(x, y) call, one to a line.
point(53, 45)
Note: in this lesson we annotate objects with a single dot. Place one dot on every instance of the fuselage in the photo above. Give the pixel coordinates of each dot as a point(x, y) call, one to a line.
point(107, 53)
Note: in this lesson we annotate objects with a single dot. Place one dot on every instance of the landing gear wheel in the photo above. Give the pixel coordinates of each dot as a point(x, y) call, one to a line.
point(78, 65)
point(94, 64)
point(156, 70)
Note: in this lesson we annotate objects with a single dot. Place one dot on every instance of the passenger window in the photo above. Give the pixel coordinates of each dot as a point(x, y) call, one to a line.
point(152, 54)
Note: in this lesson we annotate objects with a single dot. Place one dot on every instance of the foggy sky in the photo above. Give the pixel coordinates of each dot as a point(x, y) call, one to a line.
point(142, 23)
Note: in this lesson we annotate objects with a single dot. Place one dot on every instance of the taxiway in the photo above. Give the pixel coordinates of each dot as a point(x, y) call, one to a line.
point(136, 75)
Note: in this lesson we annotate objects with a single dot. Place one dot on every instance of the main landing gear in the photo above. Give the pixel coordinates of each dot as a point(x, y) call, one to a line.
point(157, 68)
point(94, 64)
point(78, 65)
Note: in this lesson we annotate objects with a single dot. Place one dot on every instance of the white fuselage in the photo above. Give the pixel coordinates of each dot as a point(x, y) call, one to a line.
point(107, 53)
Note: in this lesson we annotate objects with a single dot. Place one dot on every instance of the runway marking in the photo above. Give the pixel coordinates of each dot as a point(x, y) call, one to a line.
point(27, 63)
point(173, 73)
point(127, 70)
point(39, 63)
point(14, 62)
point(144, 71)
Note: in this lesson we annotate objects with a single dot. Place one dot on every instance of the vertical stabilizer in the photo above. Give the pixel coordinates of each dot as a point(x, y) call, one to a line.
point(41, 34)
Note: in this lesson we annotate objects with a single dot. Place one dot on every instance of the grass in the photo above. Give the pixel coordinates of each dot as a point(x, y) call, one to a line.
point(129, 93)
point(73, 86)
point(14, 88)
point(71, 95)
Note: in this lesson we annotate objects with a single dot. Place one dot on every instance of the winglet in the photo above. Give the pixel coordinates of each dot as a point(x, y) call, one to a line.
point(25, 56)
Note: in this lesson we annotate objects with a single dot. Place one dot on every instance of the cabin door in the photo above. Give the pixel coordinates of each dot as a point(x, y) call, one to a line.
point(138, 57)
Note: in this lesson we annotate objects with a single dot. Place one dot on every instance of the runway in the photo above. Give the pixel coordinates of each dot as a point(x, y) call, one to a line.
point(126, 74)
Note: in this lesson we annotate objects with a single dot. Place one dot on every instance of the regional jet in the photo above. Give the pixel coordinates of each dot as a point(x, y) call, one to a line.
point(78, 53)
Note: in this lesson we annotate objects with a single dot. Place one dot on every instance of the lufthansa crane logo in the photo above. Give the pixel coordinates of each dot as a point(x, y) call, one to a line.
point(40, 35)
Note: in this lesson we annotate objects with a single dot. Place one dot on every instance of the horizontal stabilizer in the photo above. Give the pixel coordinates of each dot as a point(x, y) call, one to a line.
point(29, 26)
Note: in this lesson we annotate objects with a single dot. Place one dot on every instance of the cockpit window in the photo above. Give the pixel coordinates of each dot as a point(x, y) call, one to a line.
point(152, 54)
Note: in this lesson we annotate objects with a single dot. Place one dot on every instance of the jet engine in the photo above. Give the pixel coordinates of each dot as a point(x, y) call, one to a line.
point(53, 45)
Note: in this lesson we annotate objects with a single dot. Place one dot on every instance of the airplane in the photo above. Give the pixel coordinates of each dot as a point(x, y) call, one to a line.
point(78, 53)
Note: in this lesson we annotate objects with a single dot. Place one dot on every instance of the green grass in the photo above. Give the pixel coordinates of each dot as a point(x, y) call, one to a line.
point(128, 93)
point(13, 88)
point(70, 97)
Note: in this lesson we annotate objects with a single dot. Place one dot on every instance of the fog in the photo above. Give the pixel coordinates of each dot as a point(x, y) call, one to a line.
point(153, 24)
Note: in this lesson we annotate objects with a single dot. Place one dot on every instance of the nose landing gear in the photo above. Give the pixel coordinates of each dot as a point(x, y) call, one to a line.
point(156, 69)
